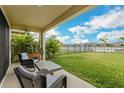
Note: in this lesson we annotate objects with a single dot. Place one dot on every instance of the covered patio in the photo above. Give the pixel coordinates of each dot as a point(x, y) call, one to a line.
point(72, 81)
point(41, 19)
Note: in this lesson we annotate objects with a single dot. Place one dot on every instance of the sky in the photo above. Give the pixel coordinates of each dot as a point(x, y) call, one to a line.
point(100, 23)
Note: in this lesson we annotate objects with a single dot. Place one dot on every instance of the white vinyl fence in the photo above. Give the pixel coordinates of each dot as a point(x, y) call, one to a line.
point(79, 48)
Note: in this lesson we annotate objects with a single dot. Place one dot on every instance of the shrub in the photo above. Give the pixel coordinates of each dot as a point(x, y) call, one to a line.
point(52, 47)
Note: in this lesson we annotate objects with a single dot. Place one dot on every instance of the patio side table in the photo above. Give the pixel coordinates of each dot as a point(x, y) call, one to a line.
point(49, 65)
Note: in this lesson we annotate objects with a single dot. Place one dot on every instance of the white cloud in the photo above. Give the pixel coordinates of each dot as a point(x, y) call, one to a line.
point(79, 33)
point(84, 41)
point(82, 30)
point(112, 19)
point(63, 39)
point(111, 35)
point(59, 36)
point(76, 29)
point(52, 32)
point(79, 41)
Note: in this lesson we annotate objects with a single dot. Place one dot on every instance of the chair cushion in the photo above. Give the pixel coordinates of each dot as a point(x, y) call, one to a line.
point(24, 56)
point(26, 77)
point(25, 72)
point(29, 76)
point(50, 80)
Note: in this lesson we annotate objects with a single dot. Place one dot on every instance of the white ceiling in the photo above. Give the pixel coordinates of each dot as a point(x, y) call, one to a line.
point(34, 16)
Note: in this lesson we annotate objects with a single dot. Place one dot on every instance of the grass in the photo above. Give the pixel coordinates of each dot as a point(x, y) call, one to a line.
point(99, 69)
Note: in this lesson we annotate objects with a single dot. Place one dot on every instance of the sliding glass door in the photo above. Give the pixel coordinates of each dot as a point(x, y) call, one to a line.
point(4, 45)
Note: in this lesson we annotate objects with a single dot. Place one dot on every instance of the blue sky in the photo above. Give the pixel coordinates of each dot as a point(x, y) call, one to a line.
point(102, 22)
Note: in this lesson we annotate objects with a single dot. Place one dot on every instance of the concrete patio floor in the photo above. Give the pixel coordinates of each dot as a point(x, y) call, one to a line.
point(72, 81)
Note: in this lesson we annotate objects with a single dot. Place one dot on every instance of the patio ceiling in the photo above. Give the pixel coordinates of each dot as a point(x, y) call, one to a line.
point(40, 18)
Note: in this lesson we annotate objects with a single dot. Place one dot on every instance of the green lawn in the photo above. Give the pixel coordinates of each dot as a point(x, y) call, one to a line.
point(99, 69)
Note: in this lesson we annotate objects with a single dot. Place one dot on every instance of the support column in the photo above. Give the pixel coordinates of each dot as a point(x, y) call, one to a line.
point(42, 45)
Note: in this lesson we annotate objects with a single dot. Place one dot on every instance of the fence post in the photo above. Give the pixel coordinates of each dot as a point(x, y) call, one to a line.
point(74, 49)
point(84, 47)
point(88, 48)
point(103, 49)
point(80, 48)
point(67, 49)
point(111, 49)
point(95, 49)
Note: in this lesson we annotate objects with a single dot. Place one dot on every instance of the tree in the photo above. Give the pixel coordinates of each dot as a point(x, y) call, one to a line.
point(23, 43)
point(104, 40)
point(52, 47)
point(122, 38)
